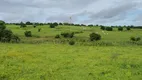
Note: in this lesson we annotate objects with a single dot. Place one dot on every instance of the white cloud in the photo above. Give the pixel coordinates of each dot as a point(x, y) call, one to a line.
point(108, 12)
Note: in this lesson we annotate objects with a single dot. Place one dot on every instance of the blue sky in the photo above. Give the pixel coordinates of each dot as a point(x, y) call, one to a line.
point(104, 12)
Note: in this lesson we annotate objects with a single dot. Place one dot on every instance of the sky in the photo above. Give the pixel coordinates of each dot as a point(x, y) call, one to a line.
point(103, 12)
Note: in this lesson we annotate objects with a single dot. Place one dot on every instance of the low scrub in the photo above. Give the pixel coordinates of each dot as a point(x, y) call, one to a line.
point(52, 26)
point(128, 28)
point(120, 28)
point(135, 38)
point(7, 35)
point(39, 29)
point(102, 28)
point(57, 36)
point(95, 37)
point(109, 29)
point(15, 39)
point(28, 34)
point(71, 42)
point(67, 34)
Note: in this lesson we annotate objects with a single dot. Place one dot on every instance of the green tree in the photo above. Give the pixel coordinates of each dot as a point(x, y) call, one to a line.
point(22, 25)
point(5, 34)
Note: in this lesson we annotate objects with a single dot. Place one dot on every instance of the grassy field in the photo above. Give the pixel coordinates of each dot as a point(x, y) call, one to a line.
point(42, 57)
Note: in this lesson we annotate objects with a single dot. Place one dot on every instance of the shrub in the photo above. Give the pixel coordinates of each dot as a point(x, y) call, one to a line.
point(29, 23)
point(15, 39)
point(109, 28)
point(55, 24)
point(135, 38)
point(138, 39)
point(2, 22)
point(71, 42)
point(52, 26)
point(90, 25)
point(57, 36)
point(39, 29)
point(128, 28)
point(5, 35)
point(71, 35)
point(2, 25)
point(28, 34)
point(120, 28)
point(60, 24)
point(102, 27)
point(95, 36)
point(34, 26)
point(67, 35)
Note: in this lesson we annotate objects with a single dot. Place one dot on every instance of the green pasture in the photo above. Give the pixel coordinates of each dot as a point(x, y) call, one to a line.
point(49, 60)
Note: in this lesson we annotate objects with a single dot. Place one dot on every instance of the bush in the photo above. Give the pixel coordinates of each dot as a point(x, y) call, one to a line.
point(52, 26)
point(2, 22)
point(71, 35)
point(55, 24)
point(60, 24)
point(2, 25)
point(71, 42)
point(57, 36)
point(128, 28)
point(39, 29)
point(29, 23)
point(67, 35)
point(135, 38)
point(102, 28)
point(15, 39)
point(5, 35)
point(34, 26)
point(120, 28)
point(28, 34)
point(91, 25)
point(95, 36)
point(109, 28)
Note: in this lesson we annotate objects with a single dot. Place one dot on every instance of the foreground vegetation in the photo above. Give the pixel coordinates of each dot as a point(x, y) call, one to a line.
point(63, 62)
point(44, 53)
